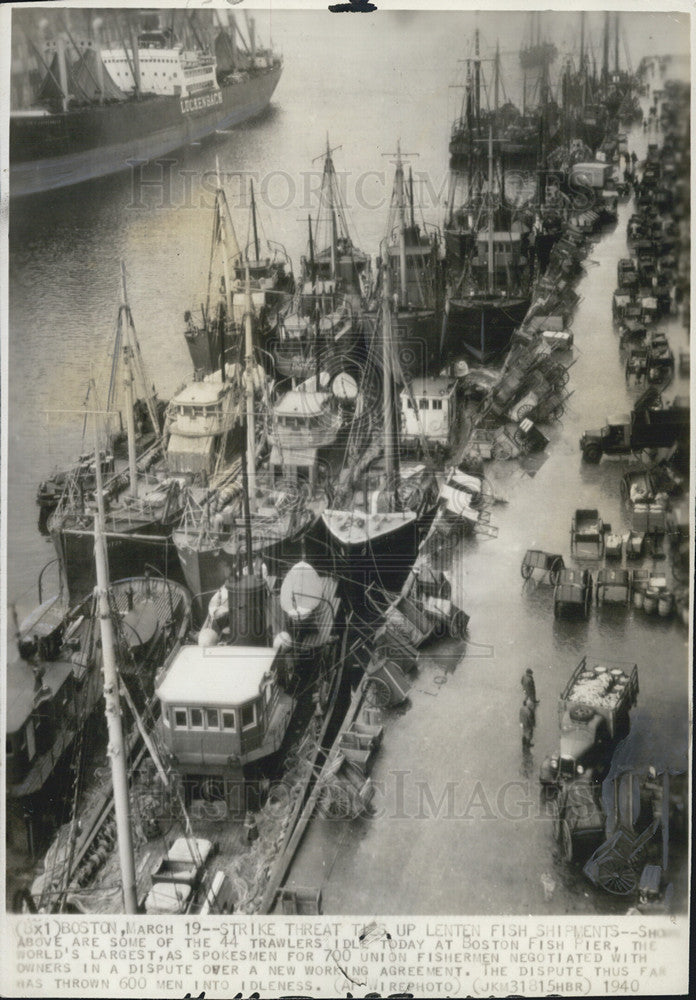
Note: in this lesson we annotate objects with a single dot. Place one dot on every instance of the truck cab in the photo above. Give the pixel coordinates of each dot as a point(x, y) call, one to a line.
point(584, 752)
point(612, 439)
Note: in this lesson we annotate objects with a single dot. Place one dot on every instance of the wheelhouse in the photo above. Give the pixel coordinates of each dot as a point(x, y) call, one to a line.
point(428, 408)
point(223, 705)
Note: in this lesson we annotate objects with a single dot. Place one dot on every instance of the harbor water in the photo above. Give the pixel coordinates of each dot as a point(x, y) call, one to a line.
point(456, 797)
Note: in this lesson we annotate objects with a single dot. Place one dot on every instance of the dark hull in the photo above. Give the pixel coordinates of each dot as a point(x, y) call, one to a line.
point(418, 336)
point(385, 562)
point(481, 326)
point(206, 569)
point(127, 556)
point(520, 153)
point(79, 145)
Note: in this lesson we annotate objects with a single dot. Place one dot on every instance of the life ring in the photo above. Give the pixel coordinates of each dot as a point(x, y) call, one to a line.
point(581, 713)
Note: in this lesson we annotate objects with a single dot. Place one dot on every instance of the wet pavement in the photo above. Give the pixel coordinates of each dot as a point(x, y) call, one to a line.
point(459, 825)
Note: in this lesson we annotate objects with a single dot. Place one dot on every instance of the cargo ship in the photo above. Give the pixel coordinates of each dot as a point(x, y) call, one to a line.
point(83, 109)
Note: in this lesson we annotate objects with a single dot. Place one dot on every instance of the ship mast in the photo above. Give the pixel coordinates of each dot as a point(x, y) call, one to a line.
point(491, 270)
point(400, 200)
point(477, 84)
point(130, 395)
point(253, 220)
point(249, 386)
point(220, 202)
point(497, 78)
point(583, 69)
point(312, 266)
point(117, 749)
point(390, 457)
point(62, 72)
point(605, 51)
point(329, 172)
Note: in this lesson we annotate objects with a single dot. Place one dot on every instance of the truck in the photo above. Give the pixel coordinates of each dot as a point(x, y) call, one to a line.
point(594, 714)
point(595, 175)
point(650, 425)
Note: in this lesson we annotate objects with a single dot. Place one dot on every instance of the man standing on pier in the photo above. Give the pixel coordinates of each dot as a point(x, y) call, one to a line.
point(527, 720)
point(528, 685)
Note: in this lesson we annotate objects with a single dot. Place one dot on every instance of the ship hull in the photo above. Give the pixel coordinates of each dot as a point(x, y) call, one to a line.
point(127, 556)
point(207, 567)
point(482, 327)
point(418, 335)
point(54, 151)
point(383, 561)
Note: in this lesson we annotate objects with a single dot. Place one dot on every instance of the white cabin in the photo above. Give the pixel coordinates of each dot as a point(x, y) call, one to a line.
point(163, 71)
point(198, 418)
point(434, 410)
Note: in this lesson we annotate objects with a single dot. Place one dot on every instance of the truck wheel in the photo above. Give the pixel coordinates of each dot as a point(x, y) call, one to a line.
point(592, 453)
point(566, 841)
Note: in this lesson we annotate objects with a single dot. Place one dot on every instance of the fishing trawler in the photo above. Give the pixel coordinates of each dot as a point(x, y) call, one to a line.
point(516, 132)
point(416, 277)
point(324, 329)
point(374, 527)
point(271, 498)
point(490, 284)
point(56, 684)
point(144, 501)
point(82, 109)
point(272, 285)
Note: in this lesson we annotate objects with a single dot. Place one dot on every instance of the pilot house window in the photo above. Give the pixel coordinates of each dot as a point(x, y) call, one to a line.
point(196, 718)
point(228, 721)
point(248, 716)
point(180, 719)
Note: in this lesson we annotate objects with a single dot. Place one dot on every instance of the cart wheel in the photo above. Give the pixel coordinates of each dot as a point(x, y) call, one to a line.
point(441, 629)
point(618, 881)
point(556, 609)
point(554, 571)
point(501, 450)
point(526, 570)
point(558, 412)
point(624, 491)
point(335, 801)
point(556, 820)
point(525, 411)
point(377, 693)
point(458, 625)
point(566, 841)
point(592, 453)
